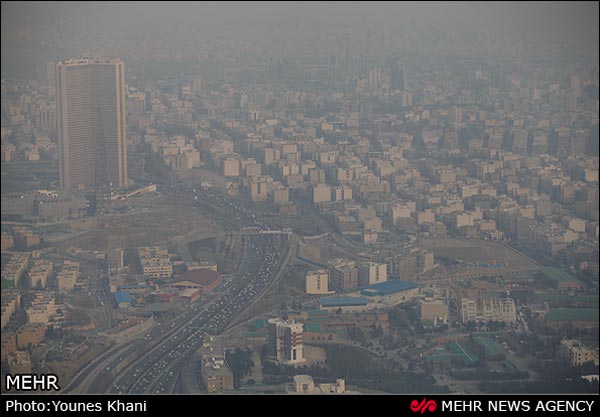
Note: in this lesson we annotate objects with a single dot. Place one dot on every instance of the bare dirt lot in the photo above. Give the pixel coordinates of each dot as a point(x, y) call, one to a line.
point(202, 175)
point(477, 251)
point(475, 258)
point(159, 226)
point(312, 248)
point(326, 249)
point(313, 354)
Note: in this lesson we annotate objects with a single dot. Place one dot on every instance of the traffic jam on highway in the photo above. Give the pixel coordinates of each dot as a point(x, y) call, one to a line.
point(159, 369)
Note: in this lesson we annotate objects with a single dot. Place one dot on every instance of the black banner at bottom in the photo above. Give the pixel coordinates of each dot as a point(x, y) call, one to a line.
point(411, 404)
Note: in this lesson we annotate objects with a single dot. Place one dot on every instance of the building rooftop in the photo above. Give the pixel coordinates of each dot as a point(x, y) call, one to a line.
point(158, 307)
point(199, 276)
point(490, 347)
point(259, 324)
point(303, 379)
point(572, 314)
point(318, 313)
point(569, 298)
point(90, 60)
point(216, 366)
point(468, 356)
point(122, 297)
point(388, 287)
point(133, 286)
point(343, 301)
point(312, 327)
point(558, 275)
point(190, 292)
point(32, 325)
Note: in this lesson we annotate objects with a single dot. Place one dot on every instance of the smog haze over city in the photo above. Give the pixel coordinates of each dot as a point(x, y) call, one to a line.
point(300, 197)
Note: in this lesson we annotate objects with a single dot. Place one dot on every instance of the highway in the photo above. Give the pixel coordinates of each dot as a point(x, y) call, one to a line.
point(158, 371)
point(154, 365)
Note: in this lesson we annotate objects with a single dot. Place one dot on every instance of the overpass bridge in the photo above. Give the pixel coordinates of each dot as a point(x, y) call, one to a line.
point(259, 231)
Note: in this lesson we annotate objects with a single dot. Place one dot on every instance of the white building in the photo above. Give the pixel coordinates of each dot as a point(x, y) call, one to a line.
point(285, 341)
point(495, 309)
point(317, 282)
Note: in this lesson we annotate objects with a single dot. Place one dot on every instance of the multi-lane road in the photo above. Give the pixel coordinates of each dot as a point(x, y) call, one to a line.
point(154, 364)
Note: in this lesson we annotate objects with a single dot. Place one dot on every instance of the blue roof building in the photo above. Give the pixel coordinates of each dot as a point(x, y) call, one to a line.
point(387, 288)
point(123, 297)
point(343, 302)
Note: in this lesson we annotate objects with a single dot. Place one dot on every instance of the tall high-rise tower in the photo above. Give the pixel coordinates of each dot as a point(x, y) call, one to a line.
point(91, 124)
point(398, 75)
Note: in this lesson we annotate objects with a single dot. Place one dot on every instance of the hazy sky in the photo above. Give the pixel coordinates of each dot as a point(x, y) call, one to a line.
point(32, 30)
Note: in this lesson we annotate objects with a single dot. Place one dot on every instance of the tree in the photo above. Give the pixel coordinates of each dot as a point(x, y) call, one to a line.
point(240, 362)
